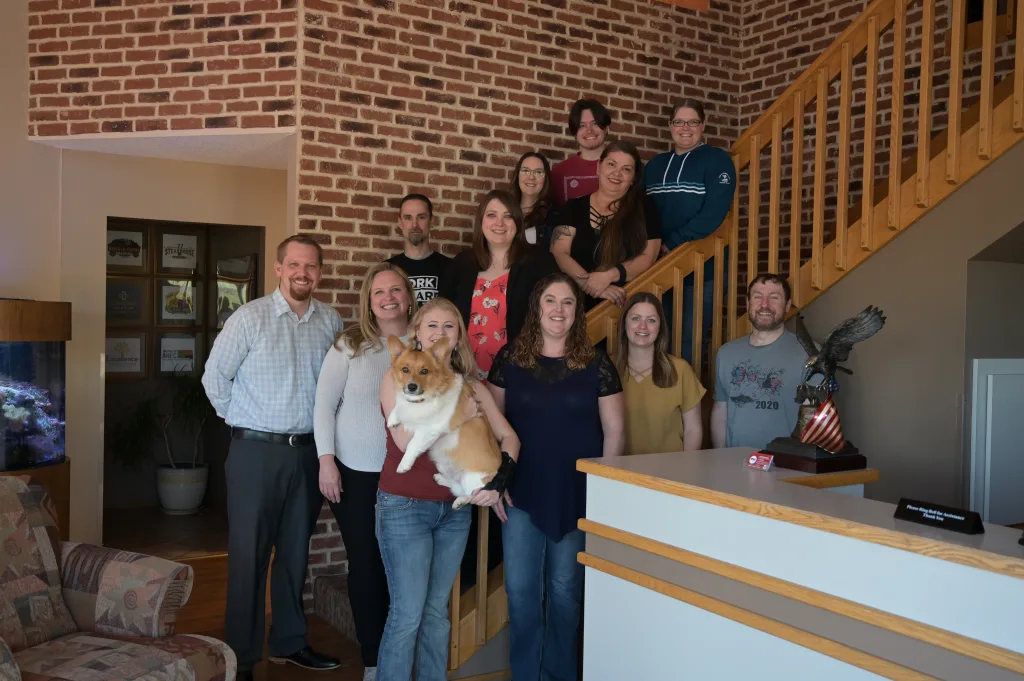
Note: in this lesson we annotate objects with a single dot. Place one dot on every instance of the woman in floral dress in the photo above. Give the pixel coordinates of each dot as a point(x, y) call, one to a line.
point(491, 282)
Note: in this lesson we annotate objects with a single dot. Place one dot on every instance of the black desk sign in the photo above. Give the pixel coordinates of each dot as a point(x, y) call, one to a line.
point(937, 515)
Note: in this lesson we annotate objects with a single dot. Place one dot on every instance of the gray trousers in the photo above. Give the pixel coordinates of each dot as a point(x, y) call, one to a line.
point(273, 502)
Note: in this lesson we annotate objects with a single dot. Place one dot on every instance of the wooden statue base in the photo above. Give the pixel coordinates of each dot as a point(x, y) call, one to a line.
point(790, 453)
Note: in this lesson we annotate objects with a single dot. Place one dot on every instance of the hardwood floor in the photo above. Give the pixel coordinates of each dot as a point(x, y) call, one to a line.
point(323, 639)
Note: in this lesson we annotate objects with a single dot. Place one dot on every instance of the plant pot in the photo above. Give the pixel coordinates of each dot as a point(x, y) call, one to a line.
point(181, 489)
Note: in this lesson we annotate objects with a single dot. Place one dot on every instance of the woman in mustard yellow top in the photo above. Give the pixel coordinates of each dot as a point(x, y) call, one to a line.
point(662, 392)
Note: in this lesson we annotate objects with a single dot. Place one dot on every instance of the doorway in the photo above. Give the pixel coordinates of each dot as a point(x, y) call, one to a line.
point(170, 288)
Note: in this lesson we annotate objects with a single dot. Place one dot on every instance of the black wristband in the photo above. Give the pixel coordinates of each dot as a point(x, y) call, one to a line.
point(622, 275)
point(503, 478)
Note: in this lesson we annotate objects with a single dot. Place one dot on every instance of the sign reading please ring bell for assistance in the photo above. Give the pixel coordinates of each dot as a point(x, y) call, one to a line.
point(759, 461)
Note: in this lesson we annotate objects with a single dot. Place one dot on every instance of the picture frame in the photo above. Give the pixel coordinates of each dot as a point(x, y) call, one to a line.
point(178, 353)
point(229, 296)
point(181, 251)
point(127, 249)
point(177, 302)
point(125, 355)
point(129, 300)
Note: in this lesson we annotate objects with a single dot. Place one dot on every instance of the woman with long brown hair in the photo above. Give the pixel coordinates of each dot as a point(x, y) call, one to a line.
point(349, 430)
point(663, 393)
point(563, 398)
point(490, 283)
point(532, 187)
point(612, 236)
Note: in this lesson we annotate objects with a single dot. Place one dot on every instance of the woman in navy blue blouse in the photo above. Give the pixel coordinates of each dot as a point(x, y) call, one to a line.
point(564, 400)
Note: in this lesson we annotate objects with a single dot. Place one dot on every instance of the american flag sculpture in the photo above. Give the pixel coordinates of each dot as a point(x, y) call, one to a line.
point(824, 428)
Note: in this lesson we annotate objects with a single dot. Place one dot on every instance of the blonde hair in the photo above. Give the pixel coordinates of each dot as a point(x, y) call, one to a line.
point(463, 361)
point(365, 333)
point(664, 371)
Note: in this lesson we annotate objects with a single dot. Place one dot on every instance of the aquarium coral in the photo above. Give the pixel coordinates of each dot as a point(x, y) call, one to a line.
point(31, 431)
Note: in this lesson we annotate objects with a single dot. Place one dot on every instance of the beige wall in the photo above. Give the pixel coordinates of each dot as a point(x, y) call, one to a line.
point(29, 188)
point(995, 327)
point(903, 407)
point(95, 186)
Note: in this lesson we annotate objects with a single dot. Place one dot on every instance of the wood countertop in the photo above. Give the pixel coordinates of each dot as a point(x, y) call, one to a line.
point(720, 477)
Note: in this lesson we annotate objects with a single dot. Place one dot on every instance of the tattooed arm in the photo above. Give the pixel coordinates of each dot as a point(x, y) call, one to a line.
point(561, 244)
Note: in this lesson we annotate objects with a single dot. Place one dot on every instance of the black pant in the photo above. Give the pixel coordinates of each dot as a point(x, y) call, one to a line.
point(273, 502)
point(356, 514)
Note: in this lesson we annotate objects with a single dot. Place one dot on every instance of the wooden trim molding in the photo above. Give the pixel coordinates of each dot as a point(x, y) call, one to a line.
point(775, 628)
point(34, 321)
point(830, 480)
point(982, 560)
point(962, 645)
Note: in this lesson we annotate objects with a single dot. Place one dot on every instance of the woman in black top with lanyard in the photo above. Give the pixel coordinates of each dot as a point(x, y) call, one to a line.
point(613, 235)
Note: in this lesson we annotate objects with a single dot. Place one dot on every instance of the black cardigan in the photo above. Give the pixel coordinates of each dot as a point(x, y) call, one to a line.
point(461, 278)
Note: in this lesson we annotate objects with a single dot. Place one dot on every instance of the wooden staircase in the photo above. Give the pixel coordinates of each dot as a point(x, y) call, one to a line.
point(821, 163)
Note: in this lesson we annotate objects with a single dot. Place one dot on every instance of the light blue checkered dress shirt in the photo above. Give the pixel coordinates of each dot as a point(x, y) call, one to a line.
point(264, 365)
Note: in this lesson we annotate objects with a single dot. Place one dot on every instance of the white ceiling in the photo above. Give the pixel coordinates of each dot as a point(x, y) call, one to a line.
point(253, 149)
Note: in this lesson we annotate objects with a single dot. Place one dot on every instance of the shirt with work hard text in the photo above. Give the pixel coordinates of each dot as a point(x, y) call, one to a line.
point(758, 383)
point(263, 369)
point(426, 274)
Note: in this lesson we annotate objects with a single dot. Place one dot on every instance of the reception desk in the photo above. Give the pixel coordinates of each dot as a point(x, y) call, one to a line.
point(698, 567)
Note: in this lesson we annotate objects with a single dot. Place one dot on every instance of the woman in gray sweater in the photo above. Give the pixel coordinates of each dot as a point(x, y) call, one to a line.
point(349, 430)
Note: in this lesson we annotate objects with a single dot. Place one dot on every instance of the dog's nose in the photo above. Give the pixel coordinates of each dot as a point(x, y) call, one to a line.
point(412, 388)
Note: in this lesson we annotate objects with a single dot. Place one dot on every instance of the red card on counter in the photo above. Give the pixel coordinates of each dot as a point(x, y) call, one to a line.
point(760, 461)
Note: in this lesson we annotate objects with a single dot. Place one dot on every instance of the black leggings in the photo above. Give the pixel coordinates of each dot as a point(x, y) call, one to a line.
point(367, 583)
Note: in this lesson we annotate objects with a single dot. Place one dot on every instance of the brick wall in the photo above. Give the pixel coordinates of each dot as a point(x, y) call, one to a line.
point(109, 66)
point(441, 97)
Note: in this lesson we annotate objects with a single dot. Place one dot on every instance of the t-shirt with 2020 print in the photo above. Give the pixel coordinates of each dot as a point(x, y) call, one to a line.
point(759, 384)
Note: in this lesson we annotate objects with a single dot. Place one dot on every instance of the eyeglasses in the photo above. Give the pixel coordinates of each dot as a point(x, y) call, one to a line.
point(678, 123)
point(539, 172)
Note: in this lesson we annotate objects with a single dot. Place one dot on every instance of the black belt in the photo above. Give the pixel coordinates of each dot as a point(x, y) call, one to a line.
point(292, 440)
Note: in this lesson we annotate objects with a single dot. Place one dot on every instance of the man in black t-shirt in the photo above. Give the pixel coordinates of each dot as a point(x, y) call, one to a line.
point(423, 264)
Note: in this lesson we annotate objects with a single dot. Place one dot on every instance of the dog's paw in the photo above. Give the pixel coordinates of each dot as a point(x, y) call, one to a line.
point(440, 479)
point(393, 418)
point(459, 503)
point(405, 465)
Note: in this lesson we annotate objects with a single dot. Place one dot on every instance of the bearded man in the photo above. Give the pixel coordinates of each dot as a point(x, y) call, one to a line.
point(425, 266)
point(261, 378)
point(757, 375)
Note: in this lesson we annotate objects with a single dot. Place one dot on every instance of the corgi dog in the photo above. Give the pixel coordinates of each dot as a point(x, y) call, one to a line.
point(430, 402)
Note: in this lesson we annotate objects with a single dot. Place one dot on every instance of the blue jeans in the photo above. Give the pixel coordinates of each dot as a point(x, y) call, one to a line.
point(544, 583)
point(422, 543)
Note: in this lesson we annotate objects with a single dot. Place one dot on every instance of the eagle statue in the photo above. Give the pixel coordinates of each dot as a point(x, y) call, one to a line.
point(837, 345)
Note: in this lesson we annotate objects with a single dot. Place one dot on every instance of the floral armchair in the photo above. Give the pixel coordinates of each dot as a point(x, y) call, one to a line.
point(77, 612)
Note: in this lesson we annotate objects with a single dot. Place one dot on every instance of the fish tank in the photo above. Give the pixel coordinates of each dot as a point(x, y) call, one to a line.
point(32, 386)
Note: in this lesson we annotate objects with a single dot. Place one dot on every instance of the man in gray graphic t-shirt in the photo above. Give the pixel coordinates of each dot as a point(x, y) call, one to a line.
point(757, 375)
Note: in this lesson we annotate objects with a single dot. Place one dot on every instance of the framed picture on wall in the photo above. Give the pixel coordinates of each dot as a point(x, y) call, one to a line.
point(178, 353)
point(230, 296)
point(125, 355)
point(180, 252)
point(128, 251)
point(177, 302)
point(128, 301)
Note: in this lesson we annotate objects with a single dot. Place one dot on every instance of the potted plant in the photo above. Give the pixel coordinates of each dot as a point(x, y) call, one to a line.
point(175, 418)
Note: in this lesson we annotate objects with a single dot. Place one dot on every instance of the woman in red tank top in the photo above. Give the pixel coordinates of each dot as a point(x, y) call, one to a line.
point(421, 538)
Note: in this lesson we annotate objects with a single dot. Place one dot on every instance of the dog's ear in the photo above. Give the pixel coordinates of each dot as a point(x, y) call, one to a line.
point(441, 350)
point(395, 346)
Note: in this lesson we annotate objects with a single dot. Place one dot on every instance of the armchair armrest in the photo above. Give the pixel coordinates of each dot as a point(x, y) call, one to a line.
point(123, 593)
point(8, 667)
